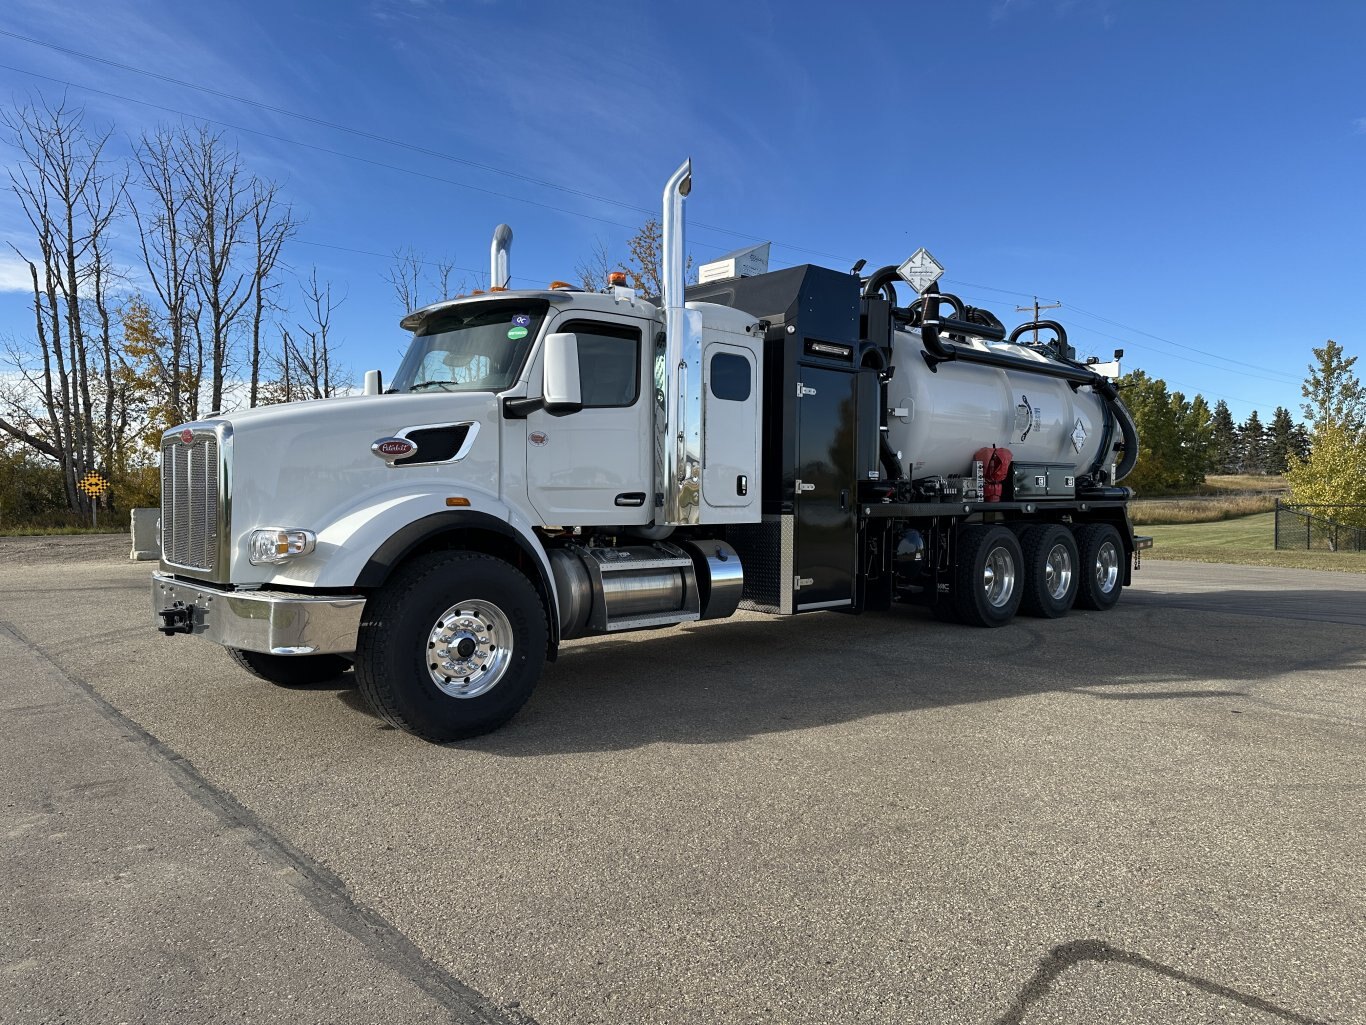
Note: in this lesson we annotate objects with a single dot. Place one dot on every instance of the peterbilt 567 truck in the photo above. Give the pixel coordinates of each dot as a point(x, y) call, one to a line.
point(550, 464)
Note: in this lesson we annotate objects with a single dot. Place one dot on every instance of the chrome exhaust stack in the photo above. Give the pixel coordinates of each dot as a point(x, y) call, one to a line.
point(500, 255)
point(678, 423)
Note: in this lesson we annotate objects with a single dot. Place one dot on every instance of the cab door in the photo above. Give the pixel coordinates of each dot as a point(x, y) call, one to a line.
point(594, 467)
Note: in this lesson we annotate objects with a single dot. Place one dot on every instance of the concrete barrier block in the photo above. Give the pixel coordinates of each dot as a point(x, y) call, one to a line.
point(146, 545)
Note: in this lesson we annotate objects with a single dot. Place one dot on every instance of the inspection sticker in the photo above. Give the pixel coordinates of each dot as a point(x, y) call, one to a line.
point(516, 332)
point(521, 320)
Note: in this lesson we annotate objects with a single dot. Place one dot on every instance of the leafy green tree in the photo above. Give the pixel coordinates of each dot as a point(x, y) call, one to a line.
point(1174, 435)
point(1252, 444)
point(1223, 445)
point(1280, 441)
point(1333, 392)
point(1333, 478)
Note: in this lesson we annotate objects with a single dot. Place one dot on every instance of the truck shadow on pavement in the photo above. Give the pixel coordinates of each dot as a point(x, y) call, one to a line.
point(726, 681)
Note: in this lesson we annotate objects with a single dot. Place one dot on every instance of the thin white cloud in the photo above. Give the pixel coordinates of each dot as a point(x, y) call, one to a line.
point(1359, 126)
point(14, 276)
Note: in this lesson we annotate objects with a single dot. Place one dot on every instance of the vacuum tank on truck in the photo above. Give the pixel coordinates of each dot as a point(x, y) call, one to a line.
point(549, 464)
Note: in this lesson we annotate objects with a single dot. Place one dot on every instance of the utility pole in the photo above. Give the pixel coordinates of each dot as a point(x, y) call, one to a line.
point(1036, 308)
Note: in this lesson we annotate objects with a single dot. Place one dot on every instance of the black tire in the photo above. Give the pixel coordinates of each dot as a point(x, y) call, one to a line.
point(986, 578)
point(1052, 570)
point(457, 598)
point(291, 670)
point(1102, 566)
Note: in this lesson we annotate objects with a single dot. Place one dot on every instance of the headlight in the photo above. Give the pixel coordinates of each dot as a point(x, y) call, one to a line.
point(279, 544)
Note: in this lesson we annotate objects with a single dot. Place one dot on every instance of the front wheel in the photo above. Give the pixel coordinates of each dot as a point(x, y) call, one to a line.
point(986, 584)
point(1102, 566)
point(452, 646)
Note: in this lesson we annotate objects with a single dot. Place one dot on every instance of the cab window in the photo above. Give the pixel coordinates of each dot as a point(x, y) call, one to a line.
point(609, 363)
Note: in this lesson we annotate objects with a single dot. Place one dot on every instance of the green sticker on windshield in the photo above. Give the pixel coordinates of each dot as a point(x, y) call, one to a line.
point(516, 332)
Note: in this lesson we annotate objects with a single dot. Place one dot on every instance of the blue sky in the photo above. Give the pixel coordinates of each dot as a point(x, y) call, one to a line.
point(1185, 177)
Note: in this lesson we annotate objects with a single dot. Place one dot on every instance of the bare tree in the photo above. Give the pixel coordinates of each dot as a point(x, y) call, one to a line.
point(594, 268)
point(218, 197)
point(70, 198)
point(273, 224)
point(167, 243)
point(307, 365)
point(416, 281)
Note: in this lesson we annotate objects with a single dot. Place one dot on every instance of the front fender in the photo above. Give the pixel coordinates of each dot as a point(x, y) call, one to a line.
point(357, 548)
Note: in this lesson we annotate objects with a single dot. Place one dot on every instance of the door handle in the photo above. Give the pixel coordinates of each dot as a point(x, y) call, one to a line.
point(844, 500)
point(631, 499)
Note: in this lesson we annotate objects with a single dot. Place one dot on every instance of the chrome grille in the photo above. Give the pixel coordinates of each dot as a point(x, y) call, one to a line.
point(189, 502)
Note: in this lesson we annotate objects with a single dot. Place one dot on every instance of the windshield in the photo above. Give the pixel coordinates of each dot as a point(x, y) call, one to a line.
point(479, 347)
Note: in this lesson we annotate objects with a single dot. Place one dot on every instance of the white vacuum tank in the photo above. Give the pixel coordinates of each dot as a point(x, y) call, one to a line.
point(939, 418)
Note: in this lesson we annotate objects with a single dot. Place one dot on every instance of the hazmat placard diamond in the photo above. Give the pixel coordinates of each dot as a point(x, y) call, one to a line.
point(920, 271)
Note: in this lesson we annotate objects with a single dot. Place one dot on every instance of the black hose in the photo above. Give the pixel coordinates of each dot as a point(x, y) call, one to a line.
point(916, 310)
point(1047, 325)
point(929, 325)
point(1129, 429)
point(886, 455)
point(880, 283)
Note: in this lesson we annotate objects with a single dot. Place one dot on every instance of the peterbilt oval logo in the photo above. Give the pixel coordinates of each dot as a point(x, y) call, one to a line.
point(187, 436)
point(390, 449)
point(537, 438)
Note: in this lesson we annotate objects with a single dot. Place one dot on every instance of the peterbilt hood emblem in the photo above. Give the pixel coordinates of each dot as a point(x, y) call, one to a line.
point(187, 436)
point(390, 449)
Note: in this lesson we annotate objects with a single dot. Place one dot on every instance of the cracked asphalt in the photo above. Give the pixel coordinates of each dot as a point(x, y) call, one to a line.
point(1155, 814)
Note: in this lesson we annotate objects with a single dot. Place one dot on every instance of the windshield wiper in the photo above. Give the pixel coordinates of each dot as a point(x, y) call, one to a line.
point(433, 384)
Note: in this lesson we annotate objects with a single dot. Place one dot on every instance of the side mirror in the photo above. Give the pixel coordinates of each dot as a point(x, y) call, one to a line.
point(374, 382)
point(560, 383)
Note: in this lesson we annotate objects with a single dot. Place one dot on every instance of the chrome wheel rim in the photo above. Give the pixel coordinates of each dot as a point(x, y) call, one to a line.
point(998, 578)
point(1107, 567)
point(469, 649)
point(1058, 572)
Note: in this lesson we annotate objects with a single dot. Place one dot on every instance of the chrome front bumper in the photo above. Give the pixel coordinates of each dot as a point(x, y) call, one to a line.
point(274, 622)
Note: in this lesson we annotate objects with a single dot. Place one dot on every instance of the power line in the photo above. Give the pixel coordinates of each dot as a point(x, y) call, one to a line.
point(390, 141)
point(362, 133)
point(1289, 379)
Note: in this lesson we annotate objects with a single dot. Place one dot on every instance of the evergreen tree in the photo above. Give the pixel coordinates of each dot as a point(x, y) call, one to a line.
point(1223, 445)
point(1280, 441)
point(1301, 443)
point(1196, 424)
point(1252, 442)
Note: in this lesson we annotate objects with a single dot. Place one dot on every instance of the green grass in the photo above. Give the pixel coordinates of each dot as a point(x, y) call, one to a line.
point(1246, 541)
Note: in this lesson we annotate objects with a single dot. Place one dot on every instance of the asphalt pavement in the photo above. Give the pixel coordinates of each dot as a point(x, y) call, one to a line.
point(1155, 814)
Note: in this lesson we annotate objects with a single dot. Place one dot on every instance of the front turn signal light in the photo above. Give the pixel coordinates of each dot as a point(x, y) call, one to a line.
point(279, 544)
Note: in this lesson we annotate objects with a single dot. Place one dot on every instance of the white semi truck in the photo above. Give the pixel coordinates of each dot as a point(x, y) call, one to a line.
point(550, 464)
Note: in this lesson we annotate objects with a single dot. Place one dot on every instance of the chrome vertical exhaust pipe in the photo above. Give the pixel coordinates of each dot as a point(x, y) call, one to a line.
point(500, 254)
point(675, 241)
point(679, 421)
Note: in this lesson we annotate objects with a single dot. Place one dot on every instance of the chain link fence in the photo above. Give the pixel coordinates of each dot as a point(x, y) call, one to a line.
point(1314, 528)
